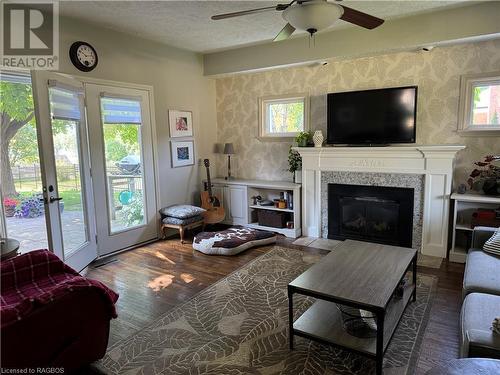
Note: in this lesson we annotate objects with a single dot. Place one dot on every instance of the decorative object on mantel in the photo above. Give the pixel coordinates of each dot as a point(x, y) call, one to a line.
point(228, 150)
point(304, 139)
point(182, 153)
point(295, 165)
point(462, 189)
point(181, 123)
point(318, 138)
point(486, 176)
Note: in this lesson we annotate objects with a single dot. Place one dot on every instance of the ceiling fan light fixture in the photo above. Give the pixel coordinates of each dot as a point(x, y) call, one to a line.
point(313, 15)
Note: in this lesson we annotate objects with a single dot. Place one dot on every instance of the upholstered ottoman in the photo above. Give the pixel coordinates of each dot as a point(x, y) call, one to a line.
point(231, 241)
point(476, 317)
point(181, 217)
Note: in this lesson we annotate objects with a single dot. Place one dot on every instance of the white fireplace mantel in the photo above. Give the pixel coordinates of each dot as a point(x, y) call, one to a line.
point(433, 161)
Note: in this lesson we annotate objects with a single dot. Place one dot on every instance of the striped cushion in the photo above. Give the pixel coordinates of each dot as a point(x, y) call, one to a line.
point(493, 244)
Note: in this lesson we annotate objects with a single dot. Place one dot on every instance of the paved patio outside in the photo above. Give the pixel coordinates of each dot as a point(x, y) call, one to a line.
point(32, 233)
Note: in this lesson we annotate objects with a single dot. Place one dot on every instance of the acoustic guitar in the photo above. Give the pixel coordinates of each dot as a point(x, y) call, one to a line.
point(215, 212)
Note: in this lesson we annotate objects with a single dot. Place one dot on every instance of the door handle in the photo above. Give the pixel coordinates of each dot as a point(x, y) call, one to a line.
point(52, 199)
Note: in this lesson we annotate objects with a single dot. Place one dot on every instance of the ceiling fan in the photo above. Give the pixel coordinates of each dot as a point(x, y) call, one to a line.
point(311, 16)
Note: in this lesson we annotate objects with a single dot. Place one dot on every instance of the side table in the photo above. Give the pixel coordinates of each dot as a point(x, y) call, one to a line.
point(8, 248)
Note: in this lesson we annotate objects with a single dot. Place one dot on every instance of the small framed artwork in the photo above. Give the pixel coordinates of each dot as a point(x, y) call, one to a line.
point(182, 153)
point(181, 123)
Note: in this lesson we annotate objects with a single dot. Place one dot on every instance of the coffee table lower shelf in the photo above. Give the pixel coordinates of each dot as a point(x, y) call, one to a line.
point(323, 322)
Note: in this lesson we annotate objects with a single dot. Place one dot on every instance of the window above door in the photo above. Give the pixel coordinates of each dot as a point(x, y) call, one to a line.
point(283, 117)
point(480, 104)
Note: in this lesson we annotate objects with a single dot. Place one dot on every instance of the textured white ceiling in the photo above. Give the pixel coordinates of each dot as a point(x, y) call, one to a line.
point(187, 24)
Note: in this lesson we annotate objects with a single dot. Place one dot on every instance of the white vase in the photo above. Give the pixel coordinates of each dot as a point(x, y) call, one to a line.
point(318, 138)
point(297, 177)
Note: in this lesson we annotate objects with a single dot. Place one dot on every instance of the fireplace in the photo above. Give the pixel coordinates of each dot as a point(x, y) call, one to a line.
point(371, 213)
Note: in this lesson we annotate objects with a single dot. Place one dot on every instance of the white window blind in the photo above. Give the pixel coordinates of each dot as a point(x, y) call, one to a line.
point(15, 77)
point(64, 104)
point(120, 111)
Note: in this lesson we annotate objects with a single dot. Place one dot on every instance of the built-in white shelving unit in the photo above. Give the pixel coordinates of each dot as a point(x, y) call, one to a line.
point(236, 195)
point(464, 206)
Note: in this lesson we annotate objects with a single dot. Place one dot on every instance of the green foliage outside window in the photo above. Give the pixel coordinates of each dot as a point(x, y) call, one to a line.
point(133, 213)
point(286, 117)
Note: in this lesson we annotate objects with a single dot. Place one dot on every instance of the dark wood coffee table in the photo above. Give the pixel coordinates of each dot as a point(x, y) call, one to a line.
point(361, 275)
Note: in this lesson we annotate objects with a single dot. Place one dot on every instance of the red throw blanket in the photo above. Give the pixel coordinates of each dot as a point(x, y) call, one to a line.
point(37, 278)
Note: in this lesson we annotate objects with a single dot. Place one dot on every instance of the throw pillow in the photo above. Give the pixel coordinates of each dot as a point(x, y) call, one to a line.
point(493, 244)
point(182, 211)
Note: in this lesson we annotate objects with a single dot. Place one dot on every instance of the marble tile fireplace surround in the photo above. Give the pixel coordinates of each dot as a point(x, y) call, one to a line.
point(426, 169)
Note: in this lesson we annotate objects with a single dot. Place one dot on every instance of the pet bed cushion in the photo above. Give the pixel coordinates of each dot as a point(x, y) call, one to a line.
point(176, 221)
point(182, 211)
point(231, 241)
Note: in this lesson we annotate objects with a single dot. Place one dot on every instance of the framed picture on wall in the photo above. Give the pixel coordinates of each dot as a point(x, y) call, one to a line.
point(182, 153)
point(181, 123)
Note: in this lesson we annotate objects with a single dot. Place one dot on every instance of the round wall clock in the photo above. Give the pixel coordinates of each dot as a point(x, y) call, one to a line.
point(83, 56)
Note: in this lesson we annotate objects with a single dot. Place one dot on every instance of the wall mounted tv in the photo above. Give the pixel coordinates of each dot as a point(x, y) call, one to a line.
point(372, 117)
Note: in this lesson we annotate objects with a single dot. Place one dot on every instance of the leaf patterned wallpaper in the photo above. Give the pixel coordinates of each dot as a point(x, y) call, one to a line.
point(436, 73)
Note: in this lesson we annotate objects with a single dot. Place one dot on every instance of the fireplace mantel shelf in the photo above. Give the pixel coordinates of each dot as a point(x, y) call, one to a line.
point(390, 159)
point(399, 148)
point(433, 161)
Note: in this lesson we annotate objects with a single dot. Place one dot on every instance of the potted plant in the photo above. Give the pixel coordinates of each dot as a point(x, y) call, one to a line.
point(304, 139)
point(486, 176)
point(295, 165)
point(9, 205)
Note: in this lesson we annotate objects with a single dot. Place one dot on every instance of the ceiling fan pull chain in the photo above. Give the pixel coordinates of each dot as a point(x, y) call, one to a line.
point(312, 37)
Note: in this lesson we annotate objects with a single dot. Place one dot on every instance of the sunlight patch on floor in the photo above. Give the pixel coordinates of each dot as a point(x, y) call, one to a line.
point(187, 277)
point(163, 257)
point(161, 282)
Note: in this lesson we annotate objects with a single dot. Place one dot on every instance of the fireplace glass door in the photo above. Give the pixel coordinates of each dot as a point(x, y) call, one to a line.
point(371, 213)
point(370, 218)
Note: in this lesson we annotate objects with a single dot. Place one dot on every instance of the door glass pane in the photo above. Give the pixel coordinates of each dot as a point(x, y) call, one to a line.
point(121, 121)
point(21, 185)
point(65, 111)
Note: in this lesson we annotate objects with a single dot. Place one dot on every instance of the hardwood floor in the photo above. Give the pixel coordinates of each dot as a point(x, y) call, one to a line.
point(154, 278)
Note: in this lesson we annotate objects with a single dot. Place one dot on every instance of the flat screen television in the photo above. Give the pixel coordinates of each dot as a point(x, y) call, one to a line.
point(372, 117)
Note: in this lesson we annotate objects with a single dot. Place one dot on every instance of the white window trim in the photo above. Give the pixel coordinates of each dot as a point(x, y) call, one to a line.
point(264, 101)
point(467, 82)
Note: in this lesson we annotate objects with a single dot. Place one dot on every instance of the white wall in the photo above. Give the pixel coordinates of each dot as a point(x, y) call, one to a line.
point(178, 83)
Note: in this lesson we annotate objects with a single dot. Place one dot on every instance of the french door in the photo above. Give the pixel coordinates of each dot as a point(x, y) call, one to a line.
point(63, 141)
point(122, 166)
point(104, 133)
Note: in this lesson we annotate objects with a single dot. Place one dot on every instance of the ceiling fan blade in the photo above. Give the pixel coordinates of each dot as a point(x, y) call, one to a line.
point(245, 12)
point(285, 33)
point(361, 19)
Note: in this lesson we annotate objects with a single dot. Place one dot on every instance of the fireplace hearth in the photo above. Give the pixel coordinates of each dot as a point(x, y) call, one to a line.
point(371, 213)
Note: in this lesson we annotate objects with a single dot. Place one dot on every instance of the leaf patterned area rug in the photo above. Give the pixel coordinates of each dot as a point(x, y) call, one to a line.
point(240, 326)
